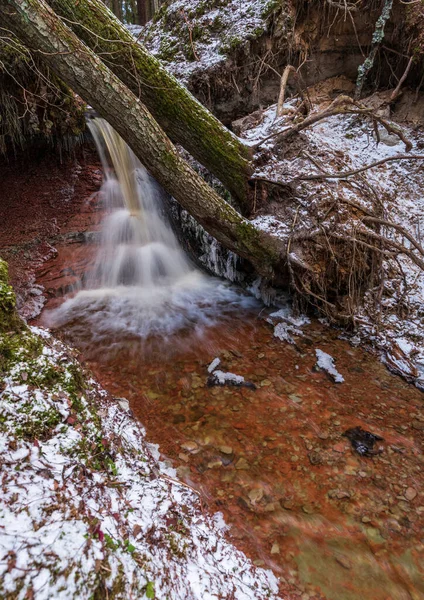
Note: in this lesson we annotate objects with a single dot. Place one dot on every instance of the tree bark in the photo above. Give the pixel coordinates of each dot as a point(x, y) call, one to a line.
point(40, 28)
point(141, 12)
point(117, 9)
point(183, 118)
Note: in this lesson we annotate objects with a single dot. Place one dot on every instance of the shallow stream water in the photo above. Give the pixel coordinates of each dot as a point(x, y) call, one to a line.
point(330, 523)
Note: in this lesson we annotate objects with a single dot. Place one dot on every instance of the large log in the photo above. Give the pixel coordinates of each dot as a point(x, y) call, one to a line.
point(183, 118)
point(38, 26)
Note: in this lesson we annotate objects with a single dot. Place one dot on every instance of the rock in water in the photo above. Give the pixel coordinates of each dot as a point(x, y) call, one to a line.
point(363, 441)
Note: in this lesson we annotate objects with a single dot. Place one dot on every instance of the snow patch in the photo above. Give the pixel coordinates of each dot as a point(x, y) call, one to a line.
point(326, 363)
point(86, 501)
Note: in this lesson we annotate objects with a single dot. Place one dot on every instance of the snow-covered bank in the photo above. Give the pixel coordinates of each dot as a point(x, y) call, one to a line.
point(193, 35)
point(391, 318)
point(87, 509)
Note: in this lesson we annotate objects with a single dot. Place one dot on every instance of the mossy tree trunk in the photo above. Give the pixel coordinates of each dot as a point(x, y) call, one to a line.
point(183, 118)
point(35, 23)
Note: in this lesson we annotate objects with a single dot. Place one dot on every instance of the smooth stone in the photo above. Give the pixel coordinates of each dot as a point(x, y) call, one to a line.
point(343, 561)
point(242, 464)
point(271, 507)
point(183, 472)
point(213, 464)
point(225, 449)
point(190, 446)
point(295, 398)
point(256, 495)
point(265, 383)
point(410, 493)
point(275, 549)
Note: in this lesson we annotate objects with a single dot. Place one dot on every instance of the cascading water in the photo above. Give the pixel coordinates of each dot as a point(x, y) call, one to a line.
point(143, 285)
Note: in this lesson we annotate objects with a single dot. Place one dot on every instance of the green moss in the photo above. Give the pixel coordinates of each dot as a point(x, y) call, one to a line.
point(231, 44)
point(36, 424)
point(169, 48)
point(271, 7)
point(9, 320)
point(183, 118)
point(178, 548)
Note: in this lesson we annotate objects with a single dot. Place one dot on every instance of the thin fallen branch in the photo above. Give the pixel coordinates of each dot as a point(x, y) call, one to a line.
point(343, 6)
point(190, 33)
point(388, 242)
point(396, 91)
point(325, 175)
point(398, 228)
point(341, 105)
point(343, 175)
point(284, 79)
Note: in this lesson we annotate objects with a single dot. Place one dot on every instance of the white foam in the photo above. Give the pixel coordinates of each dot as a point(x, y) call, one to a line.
point(143, 284)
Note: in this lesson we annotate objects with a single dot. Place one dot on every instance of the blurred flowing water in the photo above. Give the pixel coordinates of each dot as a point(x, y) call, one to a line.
point(143, 286)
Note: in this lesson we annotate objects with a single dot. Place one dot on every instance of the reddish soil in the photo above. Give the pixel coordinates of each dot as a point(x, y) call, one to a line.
point(46, 207)
point(331, 524)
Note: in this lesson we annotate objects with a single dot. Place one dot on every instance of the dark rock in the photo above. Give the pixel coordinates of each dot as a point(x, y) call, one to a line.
point(363, 441)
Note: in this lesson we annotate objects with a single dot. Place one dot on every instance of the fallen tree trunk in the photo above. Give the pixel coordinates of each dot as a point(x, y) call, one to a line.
point(35, 23)
point(183, 118)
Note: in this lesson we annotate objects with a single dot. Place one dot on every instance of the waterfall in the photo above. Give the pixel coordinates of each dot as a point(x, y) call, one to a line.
point(142, 284)
point(139, 248)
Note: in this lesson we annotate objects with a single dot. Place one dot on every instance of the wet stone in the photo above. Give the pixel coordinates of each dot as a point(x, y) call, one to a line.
point(256, 495)
point(315, 458)
point(190, 446)
point(410, 493)
point(225, 449)
point(339, 494)
point(295, 398)
point(227, 459)
point(275, 549)
point(214, 464)
point(242, 464)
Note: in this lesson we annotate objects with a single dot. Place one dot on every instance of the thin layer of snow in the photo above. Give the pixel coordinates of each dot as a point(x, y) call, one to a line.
point(87, 505)
point(217, 31)
point(288, 325)
point(224, 377)
point(326, 363)
point(214, 364)
point(342, 143)
point(271, 225)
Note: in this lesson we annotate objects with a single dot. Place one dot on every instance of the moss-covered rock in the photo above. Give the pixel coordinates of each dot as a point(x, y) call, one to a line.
point(9, 320)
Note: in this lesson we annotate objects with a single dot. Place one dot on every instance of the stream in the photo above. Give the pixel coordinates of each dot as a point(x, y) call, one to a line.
point(270, 456)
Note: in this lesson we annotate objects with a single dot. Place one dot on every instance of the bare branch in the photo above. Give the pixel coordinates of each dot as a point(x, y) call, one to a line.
point(341, 105)
point(355, 171)
point(284, 79)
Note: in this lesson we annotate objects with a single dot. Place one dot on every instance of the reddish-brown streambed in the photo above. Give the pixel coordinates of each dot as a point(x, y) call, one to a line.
point(331, 524)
